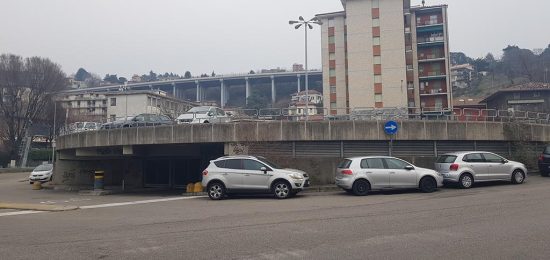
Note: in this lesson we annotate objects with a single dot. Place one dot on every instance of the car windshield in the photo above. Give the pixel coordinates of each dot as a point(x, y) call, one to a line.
point(199, 110)
point(269, 163)
point(446, 159)
point(44, 167)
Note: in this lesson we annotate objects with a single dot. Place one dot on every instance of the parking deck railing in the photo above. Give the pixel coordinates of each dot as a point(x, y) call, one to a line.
point(370, 113)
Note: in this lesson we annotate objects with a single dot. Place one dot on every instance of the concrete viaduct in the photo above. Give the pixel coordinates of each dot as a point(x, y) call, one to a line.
point(198, 86)
point(173, 156)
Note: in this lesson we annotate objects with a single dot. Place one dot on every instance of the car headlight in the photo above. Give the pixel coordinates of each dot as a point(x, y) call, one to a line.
point(296, 176)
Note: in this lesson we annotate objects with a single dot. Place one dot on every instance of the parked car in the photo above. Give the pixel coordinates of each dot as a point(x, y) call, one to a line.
point(139, 121)
point(42, 173)
point(544, 162)
point(204, 115)
point(360, 175)
point(84, 126)
point(467, 168)
point(249, 174)
point(148, 120)
point(118, 123)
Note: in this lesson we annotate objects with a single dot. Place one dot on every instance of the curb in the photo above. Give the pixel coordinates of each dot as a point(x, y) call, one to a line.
point(37, 207)
point(322, 189)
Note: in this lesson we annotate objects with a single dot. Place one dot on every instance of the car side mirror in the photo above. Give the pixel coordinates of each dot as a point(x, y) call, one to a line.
point(409, 168)
point(504, 161)
point(210, 114)
point(264, 169)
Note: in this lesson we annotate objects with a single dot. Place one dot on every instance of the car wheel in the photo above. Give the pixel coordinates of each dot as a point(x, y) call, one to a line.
point(282, 189)
point(361, 188)
point(466, 181)
point(428, 185)
point(216, 190)
point(206, 122)
point(518, 177)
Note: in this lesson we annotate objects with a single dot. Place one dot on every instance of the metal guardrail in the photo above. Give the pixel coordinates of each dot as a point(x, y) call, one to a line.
point(369, 113)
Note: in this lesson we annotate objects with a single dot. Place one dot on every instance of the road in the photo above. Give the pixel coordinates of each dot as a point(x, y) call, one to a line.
point(491, 221)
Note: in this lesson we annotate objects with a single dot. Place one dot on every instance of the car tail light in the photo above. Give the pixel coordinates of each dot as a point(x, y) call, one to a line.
point(454, 167)
point(541, 158)
point(205, 172)
point(347, 172)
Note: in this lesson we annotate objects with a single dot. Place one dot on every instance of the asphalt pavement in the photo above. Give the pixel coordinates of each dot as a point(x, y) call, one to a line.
point(490, 221)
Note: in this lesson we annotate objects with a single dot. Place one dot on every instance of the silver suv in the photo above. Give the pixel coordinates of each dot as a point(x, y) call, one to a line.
point(249, 174)
point(359, 175)
point(465, 168)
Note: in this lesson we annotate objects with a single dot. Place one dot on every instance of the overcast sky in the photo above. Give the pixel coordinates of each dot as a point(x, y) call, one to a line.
point(134, 36)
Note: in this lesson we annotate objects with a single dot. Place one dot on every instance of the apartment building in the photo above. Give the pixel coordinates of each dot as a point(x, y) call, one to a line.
point(385, 54)
point(108, 106)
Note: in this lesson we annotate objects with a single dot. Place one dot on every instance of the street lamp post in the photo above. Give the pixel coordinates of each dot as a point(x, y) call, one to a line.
point(307, 25)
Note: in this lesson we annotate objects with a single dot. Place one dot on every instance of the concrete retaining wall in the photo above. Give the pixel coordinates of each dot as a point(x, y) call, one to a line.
point(301, 131)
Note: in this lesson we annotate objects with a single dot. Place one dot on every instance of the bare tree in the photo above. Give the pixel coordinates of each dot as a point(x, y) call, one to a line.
point(26, 86)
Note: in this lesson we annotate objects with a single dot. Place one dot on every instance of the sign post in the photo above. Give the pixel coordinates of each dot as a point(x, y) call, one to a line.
point(391, 128)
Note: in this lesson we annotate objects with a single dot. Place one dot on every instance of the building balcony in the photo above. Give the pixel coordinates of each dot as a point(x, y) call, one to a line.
point(437, 27)
point(432, 76)
point(430, 59)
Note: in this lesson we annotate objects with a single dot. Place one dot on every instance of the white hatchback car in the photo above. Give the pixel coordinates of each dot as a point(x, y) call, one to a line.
point(465, 168)
point(250, 174)
point(360, 175)
point(42, 173)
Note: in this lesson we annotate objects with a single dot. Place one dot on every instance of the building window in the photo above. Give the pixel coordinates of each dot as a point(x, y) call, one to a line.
point(376, 41)
point(113, 102)
point(377, 60)
point(377, 79)
point(378, 98)
point(332, 73)
point(104, 102)
point(376, 22)
point(333, 89)
point(332, 105)
point(78, 103)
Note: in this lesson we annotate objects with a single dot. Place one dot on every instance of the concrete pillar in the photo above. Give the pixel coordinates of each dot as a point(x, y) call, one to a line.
point(273, 93)
point(222, 90)
point(299, 84)
point(247, 89)
point(198, 90)
point(174, 93)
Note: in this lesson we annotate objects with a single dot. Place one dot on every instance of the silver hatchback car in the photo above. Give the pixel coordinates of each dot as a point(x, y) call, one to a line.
point(250, 174)
point(359, 175)
point(466, 168)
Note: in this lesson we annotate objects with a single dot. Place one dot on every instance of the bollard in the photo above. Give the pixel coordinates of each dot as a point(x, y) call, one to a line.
point(37, 185)
point(190, 188)
point(198, 187)
point(99, 183)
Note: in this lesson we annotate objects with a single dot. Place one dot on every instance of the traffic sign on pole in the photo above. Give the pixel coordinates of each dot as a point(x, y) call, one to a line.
point(391, 128)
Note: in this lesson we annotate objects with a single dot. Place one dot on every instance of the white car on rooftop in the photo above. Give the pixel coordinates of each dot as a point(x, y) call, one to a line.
point(204, 115)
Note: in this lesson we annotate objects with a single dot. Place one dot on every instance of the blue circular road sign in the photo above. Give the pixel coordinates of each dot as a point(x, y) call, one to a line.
point(391, 128)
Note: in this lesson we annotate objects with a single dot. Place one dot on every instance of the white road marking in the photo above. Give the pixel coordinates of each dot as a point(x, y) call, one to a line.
point(138, 202)
point(24, 212)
